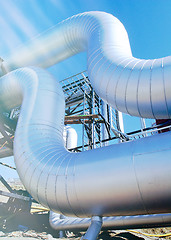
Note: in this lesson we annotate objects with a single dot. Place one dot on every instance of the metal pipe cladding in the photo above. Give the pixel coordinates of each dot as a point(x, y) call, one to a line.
point(130, 178)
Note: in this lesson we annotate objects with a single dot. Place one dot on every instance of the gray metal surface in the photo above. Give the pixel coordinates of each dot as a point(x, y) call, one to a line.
point(14, 195)
point(70, 137)
point(134, 86)
point(94, 228)
point(129, 178)
point(123, 179)
point(114, 223)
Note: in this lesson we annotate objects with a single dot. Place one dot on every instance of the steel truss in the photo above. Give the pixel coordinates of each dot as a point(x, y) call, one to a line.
point(84, 108)
point(95, 121)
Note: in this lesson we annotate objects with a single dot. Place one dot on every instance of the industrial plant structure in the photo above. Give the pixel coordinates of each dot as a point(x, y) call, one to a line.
point(120, 185)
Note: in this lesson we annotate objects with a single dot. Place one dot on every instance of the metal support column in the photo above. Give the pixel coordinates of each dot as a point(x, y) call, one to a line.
point(94, 229)
point(104, 130)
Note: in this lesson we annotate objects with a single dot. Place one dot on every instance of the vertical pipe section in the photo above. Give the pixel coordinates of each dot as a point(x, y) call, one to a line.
point(94, 229)
point(83, 125)
point(93, 124)
point(70, 137)
point(67, 182)
point(72, 183)
point(121, 124)
point(104, 130)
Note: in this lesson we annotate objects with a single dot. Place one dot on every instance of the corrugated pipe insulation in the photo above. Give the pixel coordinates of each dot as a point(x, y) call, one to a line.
point(130, 178)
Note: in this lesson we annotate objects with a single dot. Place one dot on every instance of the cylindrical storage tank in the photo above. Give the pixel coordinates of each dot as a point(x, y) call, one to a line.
point(70, 137)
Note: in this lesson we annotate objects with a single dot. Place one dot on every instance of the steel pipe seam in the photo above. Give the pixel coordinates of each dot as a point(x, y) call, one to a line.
point(67, 182)
point(126, 83)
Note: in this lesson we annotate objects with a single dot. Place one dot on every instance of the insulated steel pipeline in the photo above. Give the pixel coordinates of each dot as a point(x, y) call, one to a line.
point(134, 86)
point(122, 179)
point(129, 178)
point(115, 223)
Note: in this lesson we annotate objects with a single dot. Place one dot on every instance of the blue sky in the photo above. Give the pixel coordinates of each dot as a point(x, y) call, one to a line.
point(146, 21)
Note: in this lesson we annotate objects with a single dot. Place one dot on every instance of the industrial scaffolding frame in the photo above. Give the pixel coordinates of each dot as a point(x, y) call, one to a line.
point(97, 122)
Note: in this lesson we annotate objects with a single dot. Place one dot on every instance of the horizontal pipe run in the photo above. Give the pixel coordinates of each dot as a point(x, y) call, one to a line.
point(131, 178)
point(127, 176)
point(113, 223)
point(135, 86)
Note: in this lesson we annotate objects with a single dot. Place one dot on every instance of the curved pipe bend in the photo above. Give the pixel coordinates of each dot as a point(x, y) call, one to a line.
point(72, 183)
point(113, 180)
point(134, 86)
